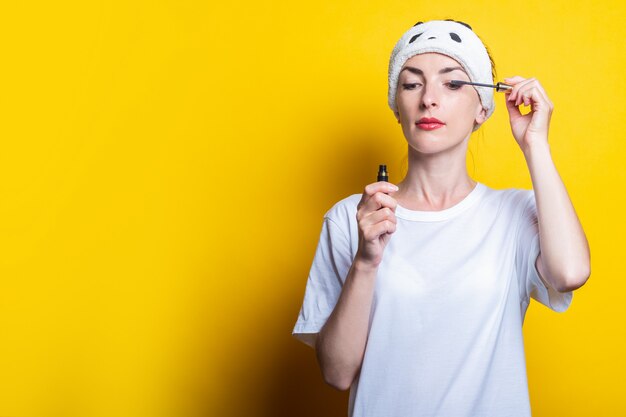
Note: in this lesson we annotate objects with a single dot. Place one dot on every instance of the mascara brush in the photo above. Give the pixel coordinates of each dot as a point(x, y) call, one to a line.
point(499, 86)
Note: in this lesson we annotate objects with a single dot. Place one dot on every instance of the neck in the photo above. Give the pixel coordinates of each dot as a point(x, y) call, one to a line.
point(435, 181)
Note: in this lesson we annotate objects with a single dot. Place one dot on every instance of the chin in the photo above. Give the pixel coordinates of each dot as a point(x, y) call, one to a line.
point(430, 147)
point(432, 144)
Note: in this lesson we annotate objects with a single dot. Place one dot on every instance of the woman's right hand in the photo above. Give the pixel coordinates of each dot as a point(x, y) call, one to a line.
point(377, 221)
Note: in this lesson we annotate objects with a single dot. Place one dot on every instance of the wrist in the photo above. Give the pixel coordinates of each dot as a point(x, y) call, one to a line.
point(536, 148)
point(362, 265)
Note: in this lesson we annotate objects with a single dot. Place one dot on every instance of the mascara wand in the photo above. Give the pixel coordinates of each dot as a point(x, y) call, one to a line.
point(500, 87)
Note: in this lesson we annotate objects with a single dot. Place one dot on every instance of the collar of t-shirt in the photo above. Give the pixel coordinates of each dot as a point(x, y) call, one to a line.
point(433, 216)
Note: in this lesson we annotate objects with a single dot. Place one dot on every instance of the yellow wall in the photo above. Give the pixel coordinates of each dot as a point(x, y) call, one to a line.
point(165, 166)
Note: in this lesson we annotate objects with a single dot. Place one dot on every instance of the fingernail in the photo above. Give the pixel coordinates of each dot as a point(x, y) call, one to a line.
point(393, 187)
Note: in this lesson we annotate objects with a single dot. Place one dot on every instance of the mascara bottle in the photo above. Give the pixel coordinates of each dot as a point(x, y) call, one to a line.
point(382, 173)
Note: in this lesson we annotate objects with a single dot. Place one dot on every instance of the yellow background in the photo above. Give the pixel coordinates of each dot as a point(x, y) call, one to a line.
point(165, 167)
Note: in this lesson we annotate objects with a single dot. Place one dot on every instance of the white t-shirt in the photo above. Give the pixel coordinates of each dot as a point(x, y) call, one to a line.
point(445, 329)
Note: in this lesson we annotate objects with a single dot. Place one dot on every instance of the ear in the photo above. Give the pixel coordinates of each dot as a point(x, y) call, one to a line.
point(481, 116)
point(397, 114)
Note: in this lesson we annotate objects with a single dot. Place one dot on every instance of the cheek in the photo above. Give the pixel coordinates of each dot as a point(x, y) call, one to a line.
point(467, 107)
point(402, 101)
point(405, 109)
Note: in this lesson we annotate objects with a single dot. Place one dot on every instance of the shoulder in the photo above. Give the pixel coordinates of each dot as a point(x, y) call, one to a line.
point(509, 196)
point(343, 211)
point(508, 202)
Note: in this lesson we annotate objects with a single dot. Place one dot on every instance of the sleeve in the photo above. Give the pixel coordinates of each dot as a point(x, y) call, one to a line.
point(527, 251)
point(328, 272)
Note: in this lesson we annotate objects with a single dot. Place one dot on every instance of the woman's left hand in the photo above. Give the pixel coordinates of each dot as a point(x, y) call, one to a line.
point(531, 128)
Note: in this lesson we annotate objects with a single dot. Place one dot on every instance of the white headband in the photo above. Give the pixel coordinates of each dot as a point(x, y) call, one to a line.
point(448, 38)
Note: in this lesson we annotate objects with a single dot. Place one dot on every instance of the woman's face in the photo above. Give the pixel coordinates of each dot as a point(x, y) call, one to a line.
point(424, 92)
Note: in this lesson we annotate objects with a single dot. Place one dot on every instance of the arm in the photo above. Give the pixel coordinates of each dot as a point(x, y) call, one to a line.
point(564, 259)
point(340, 345)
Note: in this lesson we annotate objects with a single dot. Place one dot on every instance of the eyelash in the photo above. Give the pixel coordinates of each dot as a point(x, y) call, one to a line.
point(412, 86)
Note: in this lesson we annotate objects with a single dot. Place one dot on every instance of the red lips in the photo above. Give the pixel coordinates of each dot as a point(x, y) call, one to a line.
point(430, 120)
point(429, 123)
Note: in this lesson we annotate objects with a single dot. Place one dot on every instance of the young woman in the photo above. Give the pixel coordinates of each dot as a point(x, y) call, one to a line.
point(417, 293)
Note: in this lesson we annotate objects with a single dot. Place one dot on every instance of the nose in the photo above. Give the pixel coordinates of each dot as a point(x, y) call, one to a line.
point(430, 96)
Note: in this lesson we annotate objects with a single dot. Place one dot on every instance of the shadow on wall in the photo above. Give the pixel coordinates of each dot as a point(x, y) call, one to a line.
point(281, 377)
point(358, 146)
point(298, 388)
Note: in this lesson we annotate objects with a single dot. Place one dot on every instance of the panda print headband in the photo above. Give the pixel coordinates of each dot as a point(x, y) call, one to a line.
point(451, 38)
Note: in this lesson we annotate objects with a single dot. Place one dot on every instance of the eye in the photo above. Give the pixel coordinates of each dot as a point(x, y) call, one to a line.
point(452, 86)
point(409, 86)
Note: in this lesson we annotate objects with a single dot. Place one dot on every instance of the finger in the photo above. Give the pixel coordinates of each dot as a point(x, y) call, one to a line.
point(371, 189)
point(377, 202)
point(513, 110)
point(533, 95)
point(525, 97)
point(525, 94)
point(380, 186)
point(378, 216)
point(375, 231)
point(538, 95)
point(516, 89)
point(514, 80)
point(542, 92)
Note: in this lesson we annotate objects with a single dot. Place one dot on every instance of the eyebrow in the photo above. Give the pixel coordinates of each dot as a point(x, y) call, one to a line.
point(445, 70)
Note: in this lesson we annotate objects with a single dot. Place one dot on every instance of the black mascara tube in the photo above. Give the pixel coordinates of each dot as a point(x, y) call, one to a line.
point(382, 173)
